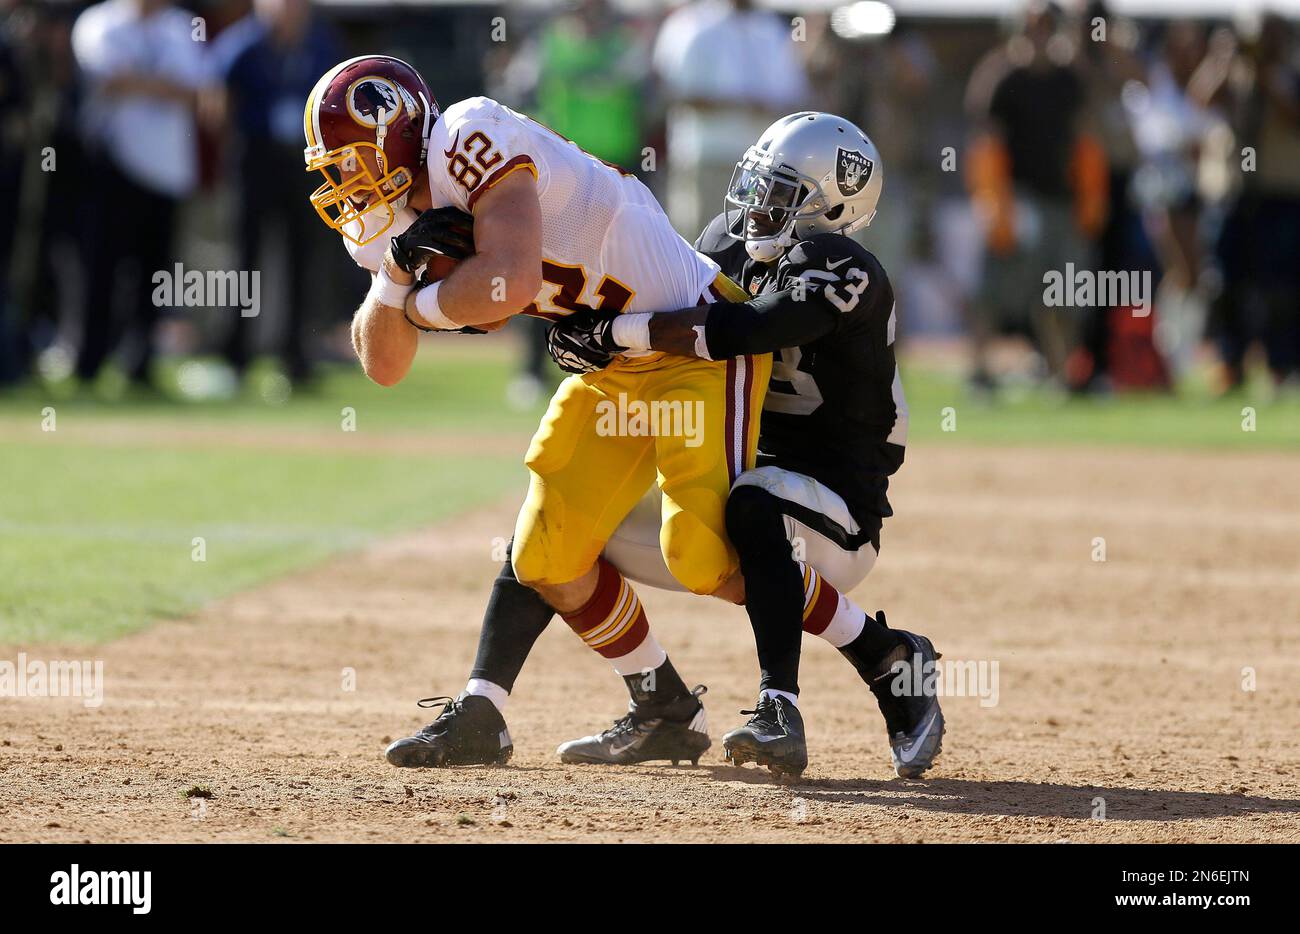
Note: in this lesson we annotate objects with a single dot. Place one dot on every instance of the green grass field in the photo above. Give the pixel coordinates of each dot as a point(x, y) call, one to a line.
point(98, 518)
point(97, 527)
point(1189, 420)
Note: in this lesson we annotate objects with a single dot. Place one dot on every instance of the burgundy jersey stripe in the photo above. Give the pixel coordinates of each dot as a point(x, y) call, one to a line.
point(502, 172)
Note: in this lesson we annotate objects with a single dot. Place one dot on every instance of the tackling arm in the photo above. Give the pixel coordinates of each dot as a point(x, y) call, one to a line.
point(731, 329)
point(589, 341)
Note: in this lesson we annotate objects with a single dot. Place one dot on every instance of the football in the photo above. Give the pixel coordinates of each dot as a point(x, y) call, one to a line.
point(439, 267)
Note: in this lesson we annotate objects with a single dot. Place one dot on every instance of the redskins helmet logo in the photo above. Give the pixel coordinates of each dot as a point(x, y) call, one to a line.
point(852, 171)
point(372, 96)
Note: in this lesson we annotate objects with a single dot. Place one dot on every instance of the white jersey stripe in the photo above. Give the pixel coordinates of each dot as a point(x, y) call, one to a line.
point(738, 420)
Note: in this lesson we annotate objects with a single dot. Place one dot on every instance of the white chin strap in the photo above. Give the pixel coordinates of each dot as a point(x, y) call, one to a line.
point(765, 251)
point(770, 249)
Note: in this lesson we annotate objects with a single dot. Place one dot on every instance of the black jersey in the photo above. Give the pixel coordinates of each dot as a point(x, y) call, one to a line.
point(835, 409)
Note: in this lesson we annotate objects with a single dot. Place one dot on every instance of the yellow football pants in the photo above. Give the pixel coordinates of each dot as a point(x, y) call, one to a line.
point(690, 425)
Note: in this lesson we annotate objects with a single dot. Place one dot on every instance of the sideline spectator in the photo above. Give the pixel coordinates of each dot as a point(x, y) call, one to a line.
point(1259, 243)
point(1038, 182)
point(591, 82)
point(584, 75)
point(269, 61)
point(142, 68)
point(1170, 128)
point(13, 107)
point(728, 71)
point(1108, 65)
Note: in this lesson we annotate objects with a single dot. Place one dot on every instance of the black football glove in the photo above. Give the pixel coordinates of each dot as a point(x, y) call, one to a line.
point(449, 231)
point(584, 341)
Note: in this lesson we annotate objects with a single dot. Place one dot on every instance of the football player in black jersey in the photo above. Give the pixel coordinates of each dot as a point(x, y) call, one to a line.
point(806, 521)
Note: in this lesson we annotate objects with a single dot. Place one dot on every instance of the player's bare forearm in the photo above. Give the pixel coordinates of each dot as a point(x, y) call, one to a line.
point(384, 340)
point(505, 273)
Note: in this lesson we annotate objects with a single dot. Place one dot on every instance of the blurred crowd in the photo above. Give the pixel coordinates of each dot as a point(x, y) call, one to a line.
point(136, 135)
point(1172, 150)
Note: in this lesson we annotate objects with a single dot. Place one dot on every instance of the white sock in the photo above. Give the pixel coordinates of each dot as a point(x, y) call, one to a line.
point(647, 656)
point(493, 692)
point(846, 625)
point(792, 698)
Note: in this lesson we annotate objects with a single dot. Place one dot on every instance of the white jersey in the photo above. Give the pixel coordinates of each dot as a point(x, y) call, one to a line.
point(606, 242)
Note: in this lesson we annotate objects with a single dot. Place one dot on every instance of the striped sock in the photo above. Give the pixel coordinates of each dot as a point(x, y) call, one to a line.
point(615, 625)
point(827, 612)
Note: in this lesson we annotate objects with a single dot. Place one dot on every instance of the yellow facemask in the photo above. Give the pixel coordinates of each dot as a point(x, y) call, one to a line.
point(351, 191)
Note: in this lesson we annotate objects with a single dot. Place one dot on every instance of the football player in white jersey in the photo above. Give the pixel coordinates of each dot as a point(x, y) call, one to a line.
point(555, 231)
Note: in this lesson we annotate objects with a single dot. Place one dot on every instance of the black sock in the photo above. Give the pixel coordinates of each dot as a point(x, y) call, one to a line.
point(870, 651)
point(652, 690)
point(773, 584)
point(514, 618)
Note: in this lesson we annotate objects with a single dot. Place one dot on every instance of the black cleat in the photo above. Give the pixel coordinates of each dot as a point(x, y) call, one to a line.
point(912, 717)
point(469, 731)
point(675, 730)
point(773, 737)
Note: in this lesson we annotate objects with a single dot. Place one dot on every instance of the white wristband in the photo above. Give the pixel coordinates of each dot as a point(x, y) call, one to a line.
point(632, 331)
point(701, 343)
point(387, 292)
point(426, 304)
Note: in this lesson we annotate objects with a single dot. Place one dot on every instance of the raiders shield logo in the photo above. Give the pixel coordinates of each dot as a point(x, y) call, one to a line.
point(852, 171)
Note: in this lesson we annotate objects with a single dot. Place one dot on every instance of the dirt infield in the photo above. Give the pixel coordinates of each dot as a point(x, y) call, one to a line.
point(1121, 685)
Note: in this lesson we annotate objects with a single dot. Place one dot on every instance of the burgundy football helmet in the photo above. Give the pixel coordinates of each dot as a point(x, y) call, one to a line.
point(377, 103)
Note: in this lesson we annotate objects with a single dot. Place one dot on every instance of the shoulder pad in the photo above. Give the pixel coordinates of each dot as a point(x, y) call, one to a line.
point(714, 238)
point(821, 248)
point(838, 269)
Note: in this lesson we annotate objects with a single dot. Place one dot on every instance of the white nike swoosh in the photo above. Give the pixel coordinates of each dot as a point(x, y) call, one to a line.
point(908, 755)
point(833, 266)
point(619, 750)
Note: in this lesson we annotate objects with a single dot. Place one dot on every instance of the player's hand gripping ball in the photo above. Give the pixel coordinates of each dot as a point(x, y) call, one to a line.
point(433, 246)
point(447, 232)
